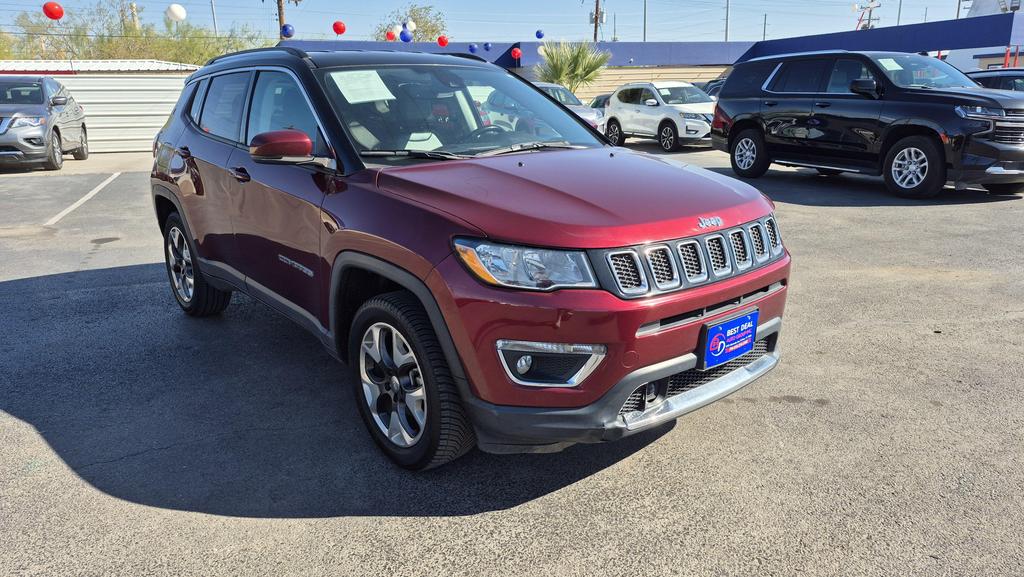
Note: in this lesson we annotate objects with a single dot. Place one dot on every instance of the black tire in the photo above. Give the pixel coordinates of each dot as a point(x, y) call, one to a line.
point(668, 136)
point(828, 172)
point(1005, 187)
point(54, 153)
point(205, 299)
point(760, 163)
point(82, 152)
point(934, 177)
point(613, 131)
point(447, 433)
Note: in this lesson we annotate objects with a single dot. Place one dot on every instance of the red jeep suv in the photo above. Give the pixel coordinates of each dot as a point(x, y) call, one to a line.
point(520, 286)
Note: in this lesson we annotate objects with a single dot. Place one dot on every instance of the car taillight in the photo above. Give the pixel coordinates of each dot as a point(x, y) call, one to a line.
point(721, 120)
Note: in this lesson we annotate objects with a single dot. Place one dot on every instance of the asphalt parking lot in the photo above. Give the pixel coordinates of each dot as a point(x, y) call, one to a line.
point(889, 441)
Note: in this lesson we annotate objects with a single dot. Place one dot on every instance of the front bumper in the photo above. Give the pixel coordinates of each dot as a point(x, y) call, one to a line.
point(989, 162)
point(23, 145)
point(693, 130)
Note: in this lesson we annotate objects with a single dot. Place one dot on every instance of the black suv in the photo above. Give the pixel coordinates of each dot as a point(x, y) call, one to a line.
point(915, 120)
point(1000, 78)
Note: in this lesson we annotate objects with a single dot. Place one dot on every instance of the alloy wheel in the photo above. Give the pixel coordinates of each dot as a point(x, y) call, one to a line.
point(392, 383)
point(668, 138)
point(745, 153)
point(909, 167)
point(179, 258)
point(612, 133)
point(56, 151)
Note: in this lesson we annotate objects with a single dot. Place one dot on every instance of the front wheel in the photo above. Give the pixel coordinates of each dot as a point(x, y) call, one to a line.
point(613, 131)
point(1005, 187)
point(668, 138)
point(196, 296)
point(54, 154)
point(403, 386)
point(914, 168)
point(749, 155)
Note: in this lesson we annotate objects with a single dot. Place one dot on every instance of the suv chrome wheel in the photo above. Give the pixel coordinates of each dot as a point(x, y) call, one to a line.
point(180, 260)
point(745, 153)
point(667, 138)
point(910, 167)
point(392, 384)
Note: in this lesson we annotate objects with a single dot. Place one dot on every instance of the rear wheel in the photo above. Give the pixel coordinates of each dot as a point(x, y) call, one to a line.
point(54, 153)
point(82, 152)
point(614, 133)
point(1005, 188)
point(403, 386)
point(749, 155)
point(914, 168)
point(668, 138)
point(194, 294)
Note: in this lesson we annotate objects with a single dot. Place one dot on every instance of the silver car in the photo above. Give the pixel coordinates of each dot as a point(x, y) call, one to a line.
point(593, 116)
point(39, 122)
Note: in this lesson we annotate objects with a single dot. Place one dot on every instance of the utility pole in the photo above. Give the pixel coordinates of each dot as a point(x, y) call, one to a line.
point(764, 29)
point(925, 13)
point(645, 20)
point(899, 12)
point(597, 16)
point(213, 10)
point(958, 3)
point(726, 20)
point(280, 18)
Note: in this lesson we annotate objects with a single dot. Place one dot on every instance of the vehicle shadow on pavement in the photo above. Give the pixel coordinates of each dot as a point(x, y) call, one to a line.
point(243, 414)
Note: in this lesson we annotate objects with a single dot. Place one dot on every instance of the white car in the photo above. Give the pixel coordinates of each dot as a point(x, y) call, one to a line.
point(593, 116)
point(673, 113)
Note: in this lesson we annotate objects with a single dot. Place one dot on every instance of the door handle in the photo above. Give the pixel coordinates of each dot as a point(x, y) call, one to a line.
point(823, 104)
point(770, 103)
point(240, 174)
point(184, 152)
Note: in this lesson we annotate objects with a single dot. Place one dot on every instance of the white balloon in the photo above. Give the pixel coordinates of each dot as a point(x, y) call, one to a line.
point(397, 29)
point(410, 26)
point(176, 12)
point(540, 50)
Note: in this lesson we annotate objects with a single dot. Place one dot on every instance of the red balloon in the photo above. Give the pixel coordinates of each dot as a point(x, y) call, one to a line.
point(339, 27)
point(517, 53)
point(390, 35)
point(53, 10)
point(442, 41)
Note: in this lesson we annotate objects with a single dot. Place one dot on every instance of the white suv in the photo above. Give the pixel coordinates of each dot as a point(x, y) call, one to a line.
point(673, 113)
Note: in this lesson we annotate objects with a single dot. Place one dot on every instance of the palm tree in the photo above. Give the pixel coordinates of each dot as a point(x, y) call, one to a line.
point(571, 64)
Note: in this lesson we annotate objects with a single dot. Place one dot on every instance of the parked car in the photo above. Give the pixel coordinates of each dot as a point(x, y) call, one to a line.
point(1000, 78)
point(592, 115)
point(673, 113)
point(917, 121)
point(39, 122)
point(600, 102)
point(485, 286)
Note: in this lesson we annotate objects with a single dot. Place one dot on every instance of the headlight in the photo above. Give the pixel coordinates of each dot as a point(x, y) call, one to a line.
point(979, 112)
point(525, 267)
point(692, 116)
point(28, 121)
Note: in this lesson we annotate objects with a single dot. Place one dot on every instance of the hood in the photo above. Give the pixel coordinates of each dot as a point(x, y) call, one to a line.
point(699, 107)
point(592, 198)
point(1004, 98)
point(7, 110)
point(584, 112)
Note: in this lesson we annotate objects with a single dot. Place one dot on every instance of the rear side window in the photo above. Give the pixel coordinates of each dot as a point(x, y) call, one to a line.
point(224, 105)
point(747, 79)
point(628, 95)
point(800, 76)
point(1012, 83)
point(277, 104)
point(197, 100)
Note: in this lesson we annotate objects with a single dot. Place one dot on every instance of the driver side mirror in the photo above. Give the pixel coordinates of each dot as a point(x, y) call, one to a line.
point(58, 101)
point(650, 102)
point(865, 87)
point(281, 147)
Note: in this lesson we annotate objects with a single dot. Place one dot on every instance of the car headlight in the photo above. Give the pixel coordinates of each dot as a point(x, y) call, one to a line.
point(979, 112)
point(525, 267)
point(692, 115)
point(28, 121)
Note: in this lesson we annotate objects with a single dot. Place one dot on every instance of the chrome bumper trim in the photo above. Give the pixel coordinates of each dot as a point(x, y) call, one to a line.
point(999, 170)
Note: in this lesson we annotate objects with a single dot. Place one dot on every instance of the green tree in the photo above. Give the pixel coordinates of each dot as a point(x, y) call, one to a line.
point(6, 46)
point(571, 64)
point(430, 23)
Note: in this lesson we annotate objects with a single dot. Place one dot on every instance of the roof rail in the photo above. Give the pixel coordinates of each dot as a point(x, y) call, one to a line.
point(799, 54)
point(290, 50)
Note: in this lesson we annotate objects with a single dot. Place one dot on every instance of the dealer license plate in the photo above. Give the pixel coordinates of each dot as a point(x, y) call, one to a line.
point(729, 339)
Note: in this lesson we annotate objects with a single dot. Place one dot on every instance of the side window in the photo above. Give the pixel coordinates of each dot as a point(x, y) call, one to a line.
point(278, 104)
point(987, 81)
point(197, 100)
point(645, 95)
point(224, 105)
point(800, 76)
point(623, 95)
point(746, 79)
point(1013, 83)
point(844, 72)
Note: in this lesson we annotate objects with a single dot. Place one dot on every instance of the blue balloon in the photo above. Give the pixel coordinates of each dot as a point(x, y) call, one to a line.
point(406, 36)
point(287, 31)
point(487, 46)
point(540, 34)
point(473, 48)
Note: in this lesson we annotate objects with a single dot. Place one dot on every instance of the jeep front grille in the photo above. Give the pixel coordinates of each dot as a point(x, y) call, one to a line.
point(664, 267)
point(680, 383)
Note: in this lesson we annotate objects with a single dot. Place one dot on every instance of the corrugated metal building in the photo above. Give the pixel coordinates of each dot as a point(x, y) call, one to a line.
point(125, 101)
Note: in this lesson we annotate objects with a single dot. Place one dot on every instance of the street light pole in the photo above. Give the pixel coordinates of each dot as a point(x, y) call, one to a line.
point(213, 10)
point(764, 29)
point(899, 12)
point(645, 20)
point(726, 20)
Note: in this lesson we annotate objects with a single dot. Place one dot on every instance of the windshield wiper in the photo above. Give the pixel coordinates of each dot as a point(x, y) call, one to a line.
point(433, 154)
point(527, 146)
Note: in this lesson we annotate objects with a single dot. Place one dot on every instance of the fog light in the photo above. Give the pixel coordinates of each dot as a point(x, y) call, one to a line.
point(523, 364)
point(651, 393)
point(34, 141)
point(548, 364)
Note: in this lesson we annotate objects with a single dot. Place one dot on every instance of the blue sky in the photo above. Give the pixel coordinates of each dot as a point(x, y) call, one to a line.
point(483, 20)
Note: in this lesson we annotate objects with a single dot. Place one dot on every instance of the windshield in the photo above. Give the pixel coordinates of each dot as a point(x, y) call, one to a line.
point(683, 95)
point(21, 93)
point(916, 71)
point(446, 111)
point(562, 95)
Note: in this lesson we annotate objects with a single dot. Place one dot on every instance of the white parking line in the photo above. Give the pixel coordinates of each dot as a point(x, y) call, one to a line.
point(82, 200)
